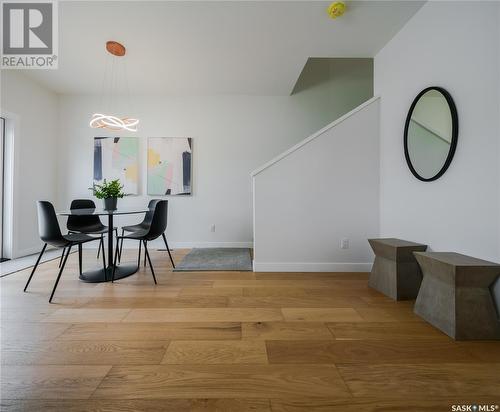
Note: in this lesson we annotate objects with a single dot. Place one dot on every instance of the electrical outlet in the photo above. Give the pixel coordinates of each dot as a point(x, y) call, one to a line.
point(212, 228)
point(344, 243)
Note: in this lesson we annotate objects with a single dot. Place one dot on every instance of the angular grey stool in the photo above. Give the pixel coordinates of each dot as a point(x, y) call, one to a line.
point(395, 271)
point(459, 295)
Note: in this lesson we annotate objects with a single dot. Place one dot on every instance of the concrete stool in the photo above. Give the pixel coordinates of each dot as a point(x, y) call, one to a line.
point(395, 271)
point(459, 295)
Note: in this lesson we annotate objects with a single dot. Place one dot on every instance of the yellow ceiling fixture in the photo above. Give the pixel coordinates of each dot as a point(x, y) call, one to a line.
point(336, 9)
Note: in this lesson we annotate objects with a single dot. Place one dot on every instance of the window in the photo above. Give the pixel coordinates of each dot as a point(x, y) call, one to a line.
point(2, 185)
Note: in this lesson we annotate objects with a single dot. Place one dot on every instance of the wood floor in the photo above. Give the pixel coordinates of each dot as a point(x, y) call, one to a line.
point(228, 341)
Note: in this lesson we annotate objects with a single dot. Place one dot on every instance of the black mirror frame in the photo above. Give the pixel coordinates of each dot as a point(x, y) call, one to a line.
point(454, 133)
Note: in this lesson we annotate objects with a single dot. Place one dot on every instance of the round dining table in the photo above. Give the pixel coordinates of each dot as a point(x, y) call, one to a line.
point(121, 271)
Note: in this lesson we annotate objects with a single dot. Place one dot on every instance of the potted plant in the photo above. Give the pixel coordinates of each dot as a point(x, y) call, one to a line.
point(109, 192)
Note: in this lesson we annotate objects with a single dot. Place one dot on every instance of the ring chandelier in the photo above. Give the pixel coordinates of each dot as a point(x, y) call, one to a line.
point(104, 121)
point(107, 121)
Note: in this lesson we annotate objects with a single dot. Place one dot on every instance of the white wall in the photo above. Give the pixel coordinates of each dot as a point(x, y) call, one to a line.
point(32, 111)
point(454, 45)
point(232, 135)
point(330, 87)
point(324, 190)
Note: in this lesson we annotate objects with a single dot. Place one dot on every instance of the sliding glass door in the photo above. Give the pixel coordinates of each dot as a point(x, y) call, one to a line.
point(2, 174)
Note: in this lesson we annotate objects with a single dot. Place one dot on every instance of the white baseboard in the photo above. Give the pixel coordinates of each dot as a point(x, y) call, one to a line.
point(310, 267)
point(158, 244)
point(25, 252)
point(189, 245)
point(29, 251)
point(132, 244)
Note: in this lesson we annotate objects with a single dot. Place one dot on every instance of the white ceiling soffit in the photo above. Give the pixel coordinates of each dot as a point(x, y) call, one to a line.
point(208, 47)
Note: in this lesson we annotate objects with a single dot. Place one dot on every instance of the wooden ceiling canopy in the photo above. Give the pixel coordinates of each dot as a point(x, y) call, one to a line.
point(115, 48)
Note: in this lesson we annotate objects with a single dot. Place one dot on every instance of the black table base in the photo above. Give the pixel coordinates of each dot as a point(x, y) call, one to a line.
point(97, 275)
point(121, 271)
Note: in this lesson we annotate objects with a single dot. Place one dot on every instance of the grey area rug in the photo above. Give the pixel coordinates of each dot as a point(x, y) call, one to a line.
point(207, 259)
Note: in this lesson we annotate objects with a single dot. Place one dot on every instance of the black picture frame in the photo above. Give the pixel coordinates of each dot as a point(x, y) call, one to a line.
point(454, 133)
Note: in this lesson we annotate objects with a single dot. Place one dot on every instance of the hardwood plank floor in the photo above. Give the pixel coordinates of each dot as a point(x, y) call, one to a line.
point(385, 331)
point(439, 404)
point(483, 351)
point(30, 331)
point(365, 351)
point(204, 315)
point(205, 292)
point(421, 379)
point(84, 353)
point(72, 315)
point(153, 331)
point(135, 405)
point(158, 302)
point(321, 315)
point(221, 381)
point(228, 341)
point(286, 330)
point(294, 302)
point(216, 352)
point(51, 382)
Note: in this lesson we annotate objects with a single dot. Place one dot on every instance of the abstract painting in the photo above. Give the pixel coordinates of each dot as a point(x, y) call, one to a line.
point(117, 158)
point(169, 165)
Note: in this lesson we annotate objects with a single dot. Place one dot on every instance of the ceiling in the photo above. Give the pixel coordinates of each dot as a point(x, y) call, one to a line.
point(206, 47)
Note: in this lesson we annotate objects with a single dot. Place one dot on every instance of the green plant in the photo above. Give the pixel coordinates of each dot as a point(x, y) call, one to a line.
point(108, 190)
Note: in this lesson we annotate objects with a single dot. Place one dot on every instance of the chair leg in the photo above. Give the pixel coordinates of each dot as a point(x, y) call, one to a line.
point(103, 250)
point(117, 244)
point(121, 245)
point(60, 273)
point(62, 256)
point(168, 249)
point(149, 260)
point(104, 262)
point(99, 248)
point(114, 264)
point(80, 258)
point(139, 258)
point(36, 265)
point(145, 244)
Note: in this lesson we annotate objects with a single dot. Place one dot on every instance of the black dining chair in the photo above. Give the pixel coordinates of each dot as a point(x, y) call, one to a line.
point(154, 231)
point(144, 225)
point(90, 225)
point(50, 233)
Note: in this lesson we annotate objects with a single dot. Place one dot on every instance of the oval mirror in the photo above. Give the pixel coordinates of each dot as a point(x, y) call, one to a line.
point(431, 132)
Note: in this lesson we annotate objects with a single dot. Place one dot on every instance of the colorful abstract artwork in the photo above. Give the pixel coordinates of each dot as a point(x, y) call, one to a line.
point(117, 158)
point(169, 165)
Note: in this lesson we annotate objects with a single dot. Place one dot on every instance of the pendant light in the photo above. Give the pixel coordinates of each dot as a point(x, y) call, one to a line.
point(107, 121)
